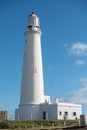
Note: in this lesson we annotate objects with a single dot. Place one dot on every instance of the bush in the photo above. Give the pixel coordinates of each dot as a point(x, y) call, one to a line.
point(4, 125)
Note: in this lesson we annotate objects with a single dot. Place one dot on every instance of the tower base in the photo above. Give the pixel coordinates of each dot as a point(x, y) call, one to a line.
point(48, 111)
point(28, 112)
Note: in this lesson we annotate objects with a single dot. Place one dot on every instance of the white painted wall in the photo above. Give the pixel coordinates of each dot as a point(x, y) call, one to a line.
point(35, 112)
point(29, 112)
point(47, 99)
point(53, 112)
point(70, 109)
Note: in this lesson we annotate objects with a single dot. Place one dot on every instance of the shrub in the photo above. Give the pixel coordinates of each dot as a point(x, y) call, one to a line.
point(4, 125)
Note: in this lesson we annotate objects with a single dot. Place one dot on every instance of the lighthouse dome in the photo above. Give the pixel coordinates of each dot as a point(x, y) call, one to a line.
point(33, 20)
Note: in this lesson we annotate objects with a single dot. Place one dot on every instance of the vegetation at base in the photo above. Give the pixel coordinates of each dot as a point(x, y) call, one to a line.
point(4, 125)
point(36, 124)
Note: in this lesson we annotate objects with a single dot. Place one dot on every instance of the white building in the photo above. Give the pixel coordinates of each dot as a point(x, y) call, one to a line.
point(33, 104)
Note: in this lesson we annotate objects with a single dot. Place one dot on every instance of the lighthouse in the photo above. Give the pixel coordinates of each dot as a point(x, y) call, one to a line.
point(34, 105)
point(32, 86)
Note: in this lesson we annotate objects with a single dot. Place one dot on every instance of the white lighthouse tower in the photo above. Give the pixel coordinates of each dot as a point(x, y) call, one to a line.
point(32, 88)
point(32, 91)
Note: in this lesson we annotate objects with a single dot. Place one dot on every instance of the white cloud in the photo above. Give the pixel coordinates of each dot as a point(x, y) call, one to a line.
point(79, 96)
point(84, 81)
point(65, 45)
point(80, 62)
point(79, 49)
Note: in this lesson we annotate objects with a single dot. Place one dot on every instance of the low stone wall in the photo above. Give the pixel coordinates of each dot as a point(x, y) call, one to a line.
point(49, 129)
point(69, 128)
point(76, 128)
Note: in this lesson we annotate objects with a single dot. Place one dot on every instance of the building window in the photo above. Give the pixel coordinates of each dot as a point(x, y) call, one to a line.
point(60, 113)
point(66, 113)
point(74, 113)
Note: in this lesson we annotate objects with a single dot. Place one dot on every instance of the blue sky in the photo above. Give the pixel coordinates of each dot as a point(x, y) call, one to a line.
point(64, 48)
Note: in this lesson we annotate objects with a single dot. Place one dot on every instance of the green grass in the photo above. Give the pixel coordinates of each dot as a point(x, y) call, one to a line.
point(36, 124)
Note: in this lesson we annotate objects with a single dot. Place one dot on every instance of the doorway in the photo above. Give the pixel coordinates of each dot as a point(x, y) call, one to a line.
point(44, 115)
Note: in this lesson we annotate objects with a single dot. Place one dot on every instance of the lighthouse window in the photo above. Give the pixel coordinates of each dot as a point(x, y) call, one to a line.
point(33, 22)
